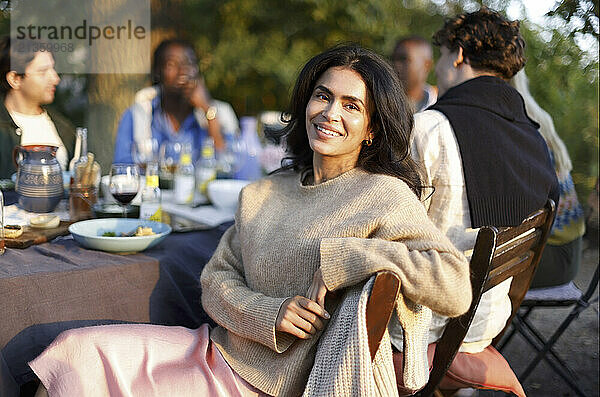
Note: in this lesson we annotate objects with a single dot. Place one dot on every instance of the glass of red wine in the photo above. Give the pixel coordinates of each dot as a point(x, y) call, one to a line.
point(124, 183)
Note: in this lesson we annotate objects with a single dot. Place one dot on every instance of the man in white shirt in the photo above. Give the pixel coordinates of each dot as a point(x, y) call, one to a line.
point(480, 151)
point(28, 82)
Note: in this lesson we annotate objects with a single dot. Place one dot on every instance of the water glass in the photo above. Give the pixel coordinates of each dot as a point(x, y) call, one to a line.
point(81, 201)
point(144, 152)
point(168, 158)
point(232, 159)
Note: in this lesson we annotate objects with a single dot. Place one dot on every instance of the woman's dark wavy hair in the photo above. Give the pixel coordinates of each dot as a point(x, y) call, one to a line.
point(489, 41)
point(391, 118)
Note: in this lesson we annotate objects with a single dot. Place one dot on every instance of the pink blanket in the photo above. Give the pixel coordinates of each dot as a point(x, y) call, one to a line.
point(137, 360)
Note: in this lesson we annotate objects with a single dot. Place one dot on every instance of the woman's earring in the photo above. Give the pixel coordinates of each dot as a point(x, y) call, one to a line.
point(368, 142)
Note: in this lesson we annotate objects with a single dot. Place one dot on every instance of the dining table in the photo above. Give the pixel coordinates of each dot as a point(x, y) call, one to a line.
point(51, 287)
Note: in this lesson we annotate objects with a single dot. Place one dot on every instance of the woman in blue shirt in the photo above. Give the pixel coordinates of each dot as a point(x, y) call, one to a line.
point(176, 108)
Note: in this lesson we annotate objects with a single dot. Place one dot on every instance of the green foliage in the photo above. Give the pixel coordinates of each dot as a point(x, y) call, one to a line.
point(565, 84)
point(251, 52)
point(585, 11)
point(252, 49)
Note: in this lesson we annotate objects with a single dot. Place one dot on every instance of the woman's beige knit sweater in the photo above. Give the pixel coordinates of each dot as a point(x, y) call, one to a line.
point(351, 226)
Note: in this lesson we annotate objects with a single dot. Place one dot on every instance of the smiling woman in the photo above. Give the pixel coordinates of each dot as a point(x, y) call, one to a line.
point(345, 209)
point(348, 110)
point(337, 122)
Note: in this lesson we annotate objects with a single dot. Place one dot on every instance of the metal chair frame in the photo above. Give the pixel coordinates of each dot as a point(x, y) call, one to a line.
point(545, 347)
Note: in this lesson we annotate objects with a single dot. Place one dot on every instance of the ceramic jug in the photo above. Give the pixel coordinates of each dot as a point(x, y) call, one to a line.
point(39, 178)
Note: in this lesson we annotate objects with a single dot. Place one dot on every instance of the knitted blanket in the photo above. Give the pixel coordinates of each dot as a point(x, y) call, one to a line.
point(343, 365)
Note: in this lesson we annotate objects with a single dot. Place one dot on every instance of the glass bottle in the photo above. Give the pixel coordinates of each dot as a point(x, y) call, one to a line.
point(206, 169)
point(184, 183)
point(80, 153)
point(150, 208)
point(230, 160)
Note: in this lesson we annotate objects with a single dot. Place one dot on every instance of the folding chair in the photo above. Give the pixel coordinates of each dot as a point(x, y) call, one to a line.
point(567, 295)
point(499, 253)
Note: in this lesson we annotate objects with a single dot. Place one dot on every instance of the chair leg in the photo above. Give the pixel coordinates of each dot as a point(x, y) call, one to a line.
point(550, 343)
point(542, 342)
point(542, 355)
point(508, 337)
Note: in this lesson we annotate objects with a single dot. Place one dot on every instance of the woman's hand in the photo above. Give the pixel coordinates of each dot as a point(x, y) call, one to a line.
point(197, 94)
point(199, 97)
point(317, 289)
point(300, 317)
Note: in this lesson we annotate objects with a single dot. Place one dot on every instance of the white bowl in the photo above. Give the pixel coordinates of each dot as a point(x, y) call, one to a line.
point(89, 234)
point(223, 193)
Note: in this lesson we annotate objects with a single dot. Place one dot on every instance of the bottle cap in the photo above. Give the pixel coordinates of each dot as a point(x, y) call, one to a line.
point(208, 151)
point(152, 180)
point(185, 159)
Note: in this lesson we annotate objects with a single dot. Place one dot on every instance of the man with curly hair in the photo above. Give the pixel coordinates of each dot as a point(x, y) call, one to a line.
point(484, 156)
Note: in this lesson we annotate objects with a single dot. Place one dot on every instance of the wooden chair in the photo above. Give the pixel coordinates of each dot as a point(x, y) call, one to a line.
point(499, 253)
point(380, 307)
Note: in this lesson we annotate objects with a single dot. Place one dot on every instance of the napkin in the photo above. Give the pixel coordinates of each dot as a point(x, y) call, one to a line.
point(13, 215)
point(206, 214)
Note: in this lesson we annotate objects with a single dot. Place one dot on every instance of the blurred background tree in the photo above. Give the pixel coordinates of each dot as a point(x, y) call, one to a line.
point(563, 70)
point(250, 52)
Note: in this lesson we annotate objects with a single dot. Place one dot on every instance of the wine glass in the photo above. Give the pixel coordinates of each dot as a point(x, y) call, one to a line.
point(124, 183)
point(144, 152)
point(231, 160)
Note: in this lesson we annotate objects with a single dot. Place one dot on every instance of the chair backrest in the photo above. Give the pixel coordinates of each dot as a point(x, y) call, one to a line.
point(499, 253)
point(518, 253)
